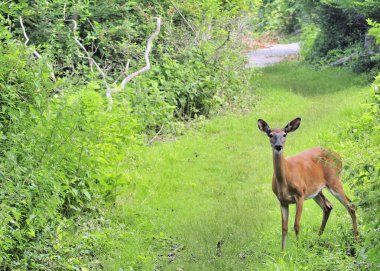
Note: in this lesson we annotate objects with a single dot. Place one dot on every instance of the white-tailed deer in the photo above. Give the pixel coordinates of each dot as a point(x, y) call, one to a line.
point(303, 176)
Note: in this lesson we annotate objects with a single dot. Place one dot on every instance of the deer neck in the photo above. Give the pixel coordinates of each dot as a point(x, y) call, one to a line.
point(279, 166)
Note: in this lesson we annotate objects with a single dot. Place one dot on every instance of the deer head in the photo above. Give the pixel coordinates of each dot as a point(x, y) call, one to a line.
point(277, 136)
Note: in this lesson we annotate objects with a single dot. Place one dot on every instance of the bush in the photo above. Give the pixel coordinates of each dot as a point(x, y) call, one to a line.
point(308, 38)
point(198, 50)
point(276, 15)
point(195, 86)
point(60, 163)
point(65, 151)
point(62, 155)
point(358, 142)
point(339, 34)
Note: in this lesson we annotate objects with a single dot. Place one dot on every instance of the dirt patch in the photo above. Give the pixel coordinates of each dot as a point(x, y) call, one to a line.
point(264, 41)
point(272, 54)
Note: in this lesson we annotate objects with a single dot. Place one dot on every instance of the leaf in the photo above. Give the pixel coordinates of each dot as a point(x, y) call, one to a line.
point(87, 194)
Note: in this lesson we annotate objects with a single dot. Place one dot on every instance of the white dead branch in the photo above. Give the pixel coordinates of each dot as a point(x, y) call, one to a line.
point(156, 135)
point(34, 51)
point(127, 78)
point(146, 55)
point(27, 38)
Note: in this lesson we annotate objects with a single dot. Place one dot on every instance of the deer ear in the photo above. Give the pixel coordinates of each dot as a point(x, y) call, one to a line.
point(293, 125)
point(263, 126)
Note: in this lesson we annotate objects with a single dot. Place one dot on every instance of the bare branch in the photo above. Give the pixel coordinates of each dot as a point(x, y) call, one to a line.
point(34, 51)
point(124, 72)
point(23, 30)
point(91, 60)
point(126, 68)
point(146, 55)
point(101, 71)
point(156, 135)
point(27, 38)
point(64, 12)
point(183, 17)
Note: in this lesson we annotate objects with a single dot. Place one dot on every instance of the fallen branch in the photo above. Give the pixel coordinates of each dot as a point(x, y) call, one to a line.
point(343, 60)
point(146, 55)
point(156, 135)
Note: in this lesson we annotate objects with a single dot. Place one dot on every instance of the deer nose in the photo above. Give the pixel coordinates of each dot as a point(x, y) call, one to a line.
point(278, 147)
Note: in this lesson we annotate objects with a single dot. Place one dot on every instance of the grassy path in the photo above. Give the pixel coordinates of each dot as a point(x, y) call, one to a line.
point(214, 185)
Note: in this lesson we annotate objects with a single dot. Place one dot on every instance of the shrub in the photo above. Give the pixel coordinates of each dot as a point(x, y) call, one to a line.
point(64, 149)
point(339, 34)
point(358, 142)
point(62, 155)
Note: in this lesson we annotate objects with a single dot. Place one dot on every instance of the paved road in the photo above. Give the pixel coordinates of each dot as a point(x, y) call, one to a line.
point(271, 55)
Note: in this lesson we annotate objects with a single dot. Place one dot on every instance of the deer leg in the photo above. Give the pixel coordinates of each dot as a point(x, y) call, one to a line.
point(299, 206)
point(326, 206)
point(338, 192)
point(285, 218)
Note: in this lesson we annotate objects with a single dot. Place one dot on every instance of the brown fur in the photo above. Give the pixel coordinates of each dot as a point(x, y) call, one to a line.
point(303, 176)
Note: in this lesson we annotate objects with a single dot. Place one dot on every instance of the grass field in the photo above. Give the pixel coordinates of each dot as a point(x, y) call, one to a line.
point(213, 186)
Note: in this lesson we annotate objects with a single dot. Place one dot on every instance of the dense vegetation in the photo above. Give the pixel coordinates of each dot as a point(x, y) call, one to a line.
point(359, 142)
point(65, 149)
point(79, 188)
point(333, 32)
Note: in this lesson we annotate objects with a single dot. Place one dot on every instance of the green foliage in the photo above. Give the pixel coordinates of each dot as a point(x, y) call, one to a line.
point(276, 15)
point(332, 31)
point(358, 141)
point(65, 151)
point(363, 170)
point(196, 86)
point(57, 163)
point(341, 33)
point(214, 184)
point(308, 38)
point(22, 82)
point(374, 30)
point(339, 28)
point(62, 154)
point(115, 33)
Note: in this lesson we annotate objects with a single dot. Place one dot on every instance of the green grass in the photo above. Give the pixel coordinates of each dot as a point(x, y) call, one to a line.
point(214, 184)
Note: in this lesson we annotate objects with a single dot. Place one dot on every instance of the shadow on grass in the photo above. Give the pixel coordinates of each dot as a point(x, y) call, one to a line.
point(307, 81)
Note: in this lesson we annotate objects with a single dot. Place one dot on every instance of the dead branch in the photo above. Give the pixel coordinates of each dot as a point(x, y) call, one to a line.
point(127, 78)
point(146, 55)
point(126, 68)
point(156, 135)
point(183, 17)
point(34, 51)
point(27, 38)
point(64, 12)
point(124, 73)
point(225, 41)
point(91, 60)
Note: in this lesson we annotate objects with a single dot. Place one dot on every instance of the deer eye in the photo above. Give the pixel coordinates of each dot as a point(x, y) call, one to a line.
point(270, 135)
point(284, 135)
